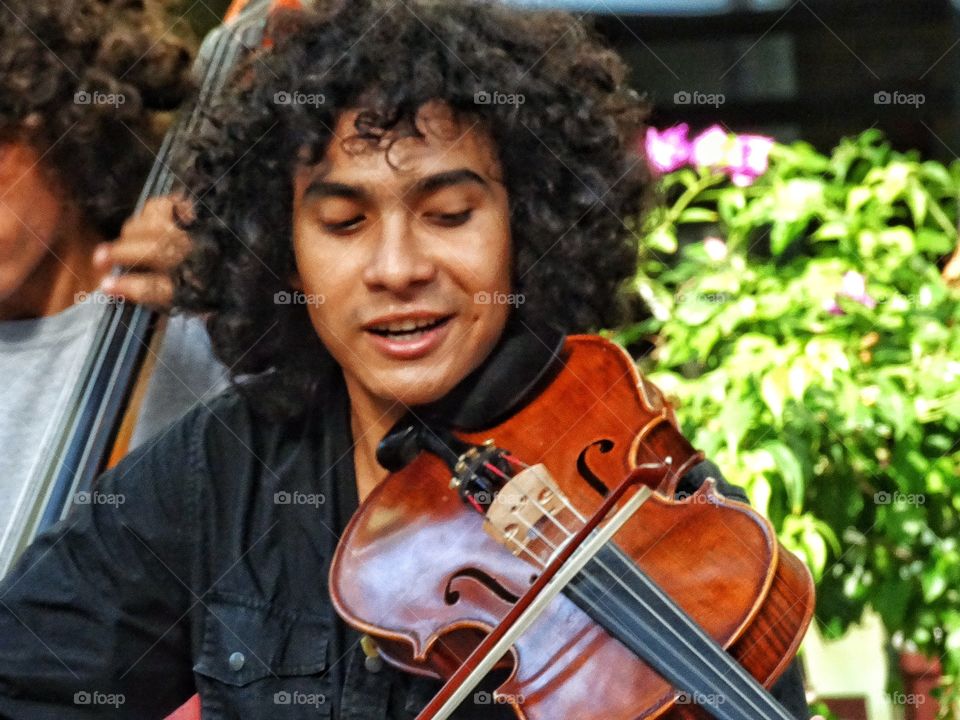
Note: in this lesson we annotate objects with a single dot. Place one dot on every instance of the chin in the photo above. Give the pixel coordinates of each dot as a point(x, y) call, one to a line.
point(418, 396)
point(418, 392)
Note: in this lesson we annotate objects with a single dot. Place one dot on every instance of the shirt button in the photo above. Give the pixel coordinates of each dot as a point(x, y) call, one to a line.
point(236, 661)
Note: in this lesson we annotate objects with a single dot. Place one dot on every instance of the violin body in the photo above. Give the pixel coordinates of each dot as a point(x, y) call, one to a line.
point(416, 570)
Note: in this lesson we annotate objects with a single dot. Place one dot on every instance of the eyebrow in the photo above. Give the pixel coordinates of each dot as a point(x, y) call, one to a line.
point(424, 186)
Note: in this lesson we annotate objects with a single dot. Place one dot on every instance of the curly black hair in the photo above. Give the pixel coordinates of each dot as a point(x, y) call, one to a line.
point(567, 145)
point(88, 84)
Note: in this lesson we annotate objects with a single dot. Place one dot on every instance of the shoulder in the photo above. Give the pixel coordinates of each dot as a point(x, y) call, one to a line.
point(234, 423)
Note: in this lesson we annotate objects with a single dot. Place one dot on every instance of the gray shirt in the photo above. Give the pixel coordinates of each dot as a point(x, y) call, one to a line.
point(40, 363)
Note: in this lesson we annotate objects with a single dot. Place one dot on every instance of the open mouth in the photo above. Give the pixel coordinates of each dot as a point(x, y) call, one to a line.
point(408, 329)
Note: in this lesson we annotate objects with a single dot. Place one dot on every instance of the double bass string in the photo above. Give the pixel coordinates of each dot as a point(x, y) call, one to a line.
point(720, 681)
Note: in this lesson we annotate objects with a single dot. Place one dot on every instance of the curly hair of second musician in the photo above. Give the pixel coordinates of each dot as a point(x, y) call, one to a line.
point(551, 96)
point(88, 83)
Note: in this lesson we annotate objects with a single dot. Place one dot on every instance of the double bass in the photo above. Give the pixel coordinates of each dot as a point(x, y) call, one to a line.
point(94, 431)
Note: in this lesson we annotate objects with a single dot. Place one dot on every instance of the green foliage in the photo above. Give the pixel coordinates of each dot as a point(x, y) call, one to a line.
point(844, 426)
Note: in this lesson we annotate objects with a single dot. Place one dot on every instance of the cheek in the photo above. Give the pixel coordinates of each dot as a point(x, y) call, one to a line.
point(487, 264)
point(25, 240)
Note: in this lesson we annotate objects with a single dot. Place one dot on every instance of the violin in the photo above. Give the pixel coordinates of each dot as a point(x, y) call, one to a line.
point(552, 546)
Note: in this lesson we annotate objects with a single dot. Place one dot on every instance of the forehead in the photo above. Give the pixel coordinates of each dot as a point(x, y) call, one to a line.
point(399, 158)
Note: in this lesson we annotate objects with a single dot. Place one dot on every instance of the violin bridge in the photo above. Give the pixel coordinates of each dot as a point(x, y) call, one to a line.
point(522, 509)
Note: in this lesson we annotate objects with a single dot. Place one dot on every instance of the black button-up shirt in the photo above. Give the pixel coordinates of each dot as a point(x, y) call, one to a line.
point(200, 564)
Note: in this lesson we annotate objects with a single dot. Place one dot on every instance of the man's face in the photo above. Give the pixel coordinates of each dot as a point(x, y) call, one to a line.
point(403, 269)
point(29, 216)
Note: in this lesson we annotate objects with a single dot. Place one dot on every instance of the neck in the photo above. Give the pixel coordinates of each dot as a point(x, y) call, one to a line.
point(370, 420)
point(66, 270)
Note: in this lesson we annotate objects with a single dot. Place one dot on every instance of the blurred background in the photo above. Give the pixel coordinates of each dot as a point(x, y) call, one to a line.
point(809, 69)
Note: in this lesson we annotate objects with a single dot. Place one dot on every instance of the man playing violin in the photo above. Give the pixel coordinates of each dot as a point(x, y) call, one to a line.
point(85, 92)
point(398, 201)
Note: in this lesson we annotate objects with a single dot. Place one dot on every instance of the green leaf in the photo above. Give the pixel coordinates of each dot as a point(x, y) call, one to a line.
point(697, 215)
point(792, 472)
point(857, 198)
point(662, 239)
point(934, 242)
point(775, 388)
point(783, 234)
point(735, 418)
point(934, 584)
point(917, 201)
point(798, 378)
point(816, 551)
point(898, 239)
point(833, 230)
point(937, 173)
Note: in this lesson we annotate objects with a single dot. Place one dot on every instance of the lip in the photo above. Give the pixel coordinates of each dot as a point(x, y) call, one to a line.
point(398, 349)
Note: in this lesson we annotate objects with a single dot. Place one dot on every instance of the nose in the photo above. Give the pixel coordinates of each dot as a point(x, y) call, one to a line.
point(400, 259)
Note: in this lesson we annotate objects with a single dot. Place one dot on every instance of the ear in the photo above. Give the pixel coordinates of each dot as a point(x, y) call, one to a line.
point(295, 282)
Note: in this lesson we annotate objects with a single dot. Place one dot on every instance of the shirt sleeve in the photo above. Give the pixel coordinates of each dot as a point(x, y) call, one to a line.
point(788, 690)
point(94, 613)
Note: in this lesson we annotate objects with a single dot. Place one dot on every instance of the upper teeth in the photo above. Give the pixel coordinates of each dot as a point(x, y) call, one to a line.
point(404, 325)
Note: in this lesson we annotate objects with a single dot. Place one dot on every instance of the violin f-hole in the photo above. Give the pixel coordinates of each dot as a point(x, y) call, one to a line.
point(451, 596)
point(587, 474)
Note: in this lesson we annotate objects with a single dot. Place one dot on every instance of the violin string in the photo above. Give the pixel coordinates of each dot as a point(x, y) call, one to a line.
point(666, 600)
point(732, 665)
point(590, 578)
point(721, 681)
point(578, 593)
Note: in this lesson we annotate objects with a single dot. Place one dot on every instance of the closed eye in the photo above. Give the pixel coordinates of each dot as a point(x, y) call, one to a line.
point(451, 219)
point(344, 226)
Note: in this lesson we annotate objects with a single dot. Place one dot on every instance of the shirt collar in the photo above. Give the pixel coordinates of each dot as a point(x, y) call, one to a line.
point(523, 361)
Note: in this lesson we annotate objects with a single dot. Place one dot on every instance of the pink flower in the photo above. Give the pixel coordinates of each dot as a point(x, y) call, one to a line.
point(854, 286)
point(710, 147)
point(749, 159)
point(756, 153)
point(831, 307)
point(743, 158)
point(668, 150)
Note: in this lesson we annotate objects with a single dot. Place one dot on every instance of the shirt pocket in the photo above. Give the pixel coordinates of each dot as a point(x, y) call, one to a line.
point(262, 662)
